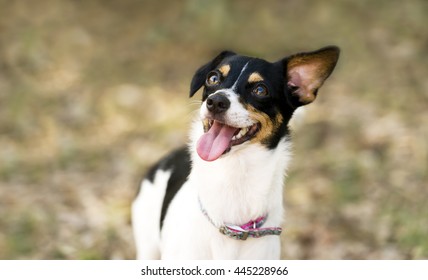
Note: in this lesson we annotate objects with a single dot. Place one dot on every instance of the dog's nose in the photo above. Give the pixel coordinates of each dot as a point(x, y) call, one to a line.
point(218, 103)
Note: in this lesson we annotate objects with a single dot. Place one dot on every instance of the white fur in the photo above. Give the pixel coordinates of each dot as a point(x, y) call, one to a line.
point(240, 186)
point(236, 115)
point(239, 76)
point(146, 210)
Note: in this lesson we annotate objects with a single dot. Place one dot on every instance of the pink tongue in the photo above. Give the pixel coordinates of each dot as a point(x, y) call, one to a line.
point(212, 144)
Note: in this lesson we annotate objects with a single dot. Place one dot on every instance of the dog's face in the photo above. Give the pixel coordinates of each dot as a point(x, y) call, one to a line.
point(249, 100)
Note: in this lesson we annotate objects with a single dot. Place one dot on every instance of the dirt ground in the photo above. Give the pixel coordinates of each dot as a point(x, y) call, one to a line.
point(93, 92)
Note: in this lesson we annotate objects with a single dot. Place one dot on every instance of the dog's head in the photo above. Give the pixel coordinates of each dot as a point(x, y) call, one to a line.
point(249, 100)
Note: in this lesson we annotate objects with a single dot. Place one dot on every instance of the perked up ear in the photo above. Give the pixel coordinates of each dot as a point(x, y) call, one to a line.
point(200, 75)
point(306, 72)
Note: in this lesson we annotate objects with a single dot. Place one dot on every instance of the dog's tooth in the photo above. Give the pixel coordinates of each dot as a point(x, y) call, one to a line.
point(241, 133)
point(244, 131)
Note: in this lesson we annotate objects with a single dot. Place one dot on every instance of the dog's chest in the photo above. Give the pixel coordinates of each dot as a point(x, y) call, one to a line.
point(233, 190)
point(188, 234)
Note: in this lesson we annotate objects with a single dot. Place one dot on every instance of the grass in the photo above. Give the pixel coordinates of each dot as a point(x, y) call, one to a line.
point(92, 93)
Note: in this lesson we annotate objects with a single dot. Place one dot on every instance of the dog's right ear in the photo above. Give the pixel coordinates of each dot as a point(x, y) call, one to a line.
point(200, 75)
point(306, 72)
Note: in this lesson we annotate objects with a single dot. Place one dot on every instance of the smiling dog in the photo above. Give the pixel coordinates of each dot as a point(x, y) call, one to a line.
point(222, 196)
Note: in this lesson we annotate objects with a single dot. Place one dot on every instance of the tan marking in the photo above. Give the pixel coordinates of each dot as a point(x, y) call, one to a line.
point(255, 77)
point(267, 125)
point(224, 70)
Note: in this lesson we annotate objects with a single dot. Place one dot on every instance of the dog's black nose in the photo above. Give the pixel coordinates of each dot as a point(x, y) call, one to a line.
point(218, 103)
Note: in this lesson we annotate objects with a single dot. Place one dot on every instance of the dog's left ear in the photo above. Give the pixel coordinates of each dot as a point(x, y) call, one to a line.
point(200, 75)
point(306, 72)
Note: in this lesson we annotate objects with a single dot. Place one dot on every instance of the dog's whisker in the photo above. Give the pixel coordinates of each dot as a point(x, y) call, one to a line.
point(194, 104)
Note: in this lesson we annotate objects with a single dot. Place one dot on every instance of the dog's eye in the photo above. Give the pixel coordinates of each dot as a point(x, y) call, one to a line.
point(213, 79)
point(260, 90)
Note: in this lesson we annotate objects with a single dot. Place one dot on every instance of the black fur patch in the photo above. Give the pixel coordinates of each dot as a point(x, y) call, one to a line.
point(179, 163)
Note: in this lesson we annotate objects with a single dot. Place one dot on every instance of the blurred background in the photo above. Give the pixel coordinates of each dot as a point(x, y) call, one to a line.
point(93, 92)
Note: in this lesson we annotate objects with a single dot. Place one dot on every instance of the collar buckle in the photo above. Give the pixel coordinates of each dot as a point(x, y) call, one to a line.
point(244, 235)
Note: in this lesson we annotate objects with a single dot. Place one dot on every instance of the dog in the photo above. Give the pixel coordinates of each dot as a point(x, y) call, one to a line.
point(221, 196)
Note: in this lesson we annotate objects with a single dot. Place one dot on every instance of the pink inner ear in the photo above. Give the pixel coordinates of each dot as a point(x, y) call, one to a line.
point(306, 72)
point(294, 79)
point(306, 76)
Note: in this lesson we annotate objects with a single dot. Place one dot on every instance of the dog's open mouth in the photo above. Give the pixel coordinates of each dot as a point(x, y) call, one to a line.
point(219, 138)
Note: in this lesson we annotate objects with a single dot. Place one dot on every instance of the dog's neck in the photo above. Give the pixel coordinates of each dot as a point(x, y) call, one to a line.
point(243, 185)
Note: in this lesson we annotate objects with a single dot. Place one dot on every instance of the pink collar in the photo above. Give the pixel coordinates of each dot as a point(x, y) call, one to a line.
point(252, 228)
